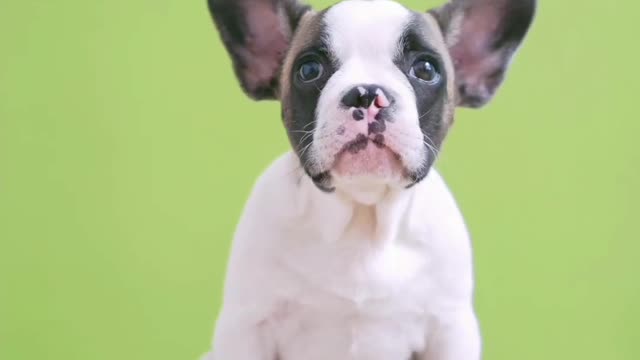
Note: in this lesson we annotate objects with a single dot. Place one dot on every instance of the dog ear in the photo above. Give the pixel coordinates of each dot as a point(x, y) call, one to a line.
point(257, 34)
point(483, 36)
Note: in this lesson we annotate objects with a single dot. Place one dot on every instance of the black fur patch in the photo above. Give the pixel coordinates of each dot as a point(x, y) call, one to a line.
point(301, 101)
point(378, 140)
point(431, 100)
point(360, 143)
point(377, 127)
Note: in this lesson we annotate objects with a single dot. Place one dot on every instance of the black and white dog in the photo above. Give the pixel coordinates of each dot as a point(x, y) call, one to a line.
point(351, 246)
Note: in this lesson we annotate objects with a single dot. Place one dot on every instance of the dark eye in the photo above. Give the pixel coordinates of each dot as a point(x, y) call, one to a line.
point(310, 71)
point(426, 71)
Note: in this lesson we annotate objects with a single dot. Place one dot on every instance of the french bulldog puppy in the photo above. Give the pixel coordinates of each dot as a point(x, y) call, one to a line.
point(351, 246)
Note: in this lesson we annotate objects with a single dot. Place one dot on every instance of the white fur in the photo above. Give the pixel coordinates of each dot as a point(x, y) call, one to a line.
point(365, 36)
point(316, 276)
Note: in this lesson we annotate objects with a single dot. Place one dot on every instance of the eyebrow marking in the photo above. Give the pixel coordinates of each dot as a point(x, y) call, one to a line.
point(416, 40)
point(319, 45)
point(413, 41)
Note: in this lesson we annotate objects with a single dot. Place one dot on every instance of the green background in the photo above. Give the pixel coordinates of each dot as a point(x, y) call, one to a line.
point(127, 151)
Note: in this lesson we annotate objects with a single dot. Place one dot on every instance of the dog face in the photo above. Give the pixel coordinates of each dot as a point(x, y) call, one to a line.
point(368, 87)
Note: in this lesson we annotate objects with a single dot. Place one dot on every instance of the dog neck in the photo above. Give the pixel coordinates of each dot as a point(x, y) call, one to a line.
point(372, 212)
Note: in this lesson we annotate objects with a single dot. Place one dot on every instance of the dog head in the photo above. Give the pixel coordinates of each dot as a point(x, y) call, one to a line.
point(369, 87)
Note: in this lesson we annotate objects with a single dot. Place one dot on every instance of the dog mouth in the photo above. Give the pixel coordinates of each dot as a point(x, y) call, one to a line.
point(361, 142)
point(363, 161)
point(367, 156)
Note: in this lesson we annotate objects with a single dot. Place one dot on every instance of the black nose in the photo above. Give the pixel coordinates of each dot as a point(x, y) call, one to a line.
point(362, 96)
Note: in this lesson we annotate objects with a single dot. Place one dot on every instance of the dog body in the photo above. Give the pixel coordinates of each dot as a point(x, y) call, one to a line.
point(351, 246)
point(320, 277)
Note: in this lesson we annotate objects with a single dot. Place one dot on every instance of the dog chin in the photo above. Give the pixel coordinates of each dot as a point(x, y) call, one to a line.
point(367, 173)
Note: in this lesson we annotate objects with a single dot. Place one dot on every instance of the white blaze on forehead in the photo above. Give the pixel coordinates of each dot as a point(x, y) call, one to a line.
point(365, 38)
point(371, 28)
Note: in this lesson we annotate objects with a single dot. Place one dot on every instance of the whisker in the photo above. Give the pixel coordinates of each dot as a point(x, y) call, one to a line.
point(431, 146)
point(426, 113)
point(305, 149)
point(309, 124)
point(305, 137)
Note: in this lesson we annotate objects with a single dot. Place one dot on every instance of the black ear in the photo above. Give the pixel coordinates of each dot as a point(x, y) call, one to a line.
point(257, 34)
point(483, 36)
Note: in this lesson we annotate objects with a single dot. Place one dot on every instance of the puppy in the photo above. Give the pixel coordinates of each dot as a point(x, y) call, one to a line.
point(351, 246)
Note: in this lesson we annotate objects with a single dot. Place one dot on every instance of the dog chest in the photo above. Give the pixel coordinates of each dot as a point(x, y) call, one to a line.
point(337, 328)
point(355, 307)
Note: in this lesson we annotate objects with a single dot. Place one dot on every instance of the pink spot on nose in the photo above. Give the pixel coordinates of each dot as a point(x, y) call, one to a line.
point(381, 100)
point(372, 112)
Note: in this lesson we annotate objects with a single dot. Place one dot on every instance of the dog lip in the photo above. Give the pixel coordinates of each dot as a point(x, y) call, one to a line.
point(355, 146)
point(360, 143)
point(322, 180)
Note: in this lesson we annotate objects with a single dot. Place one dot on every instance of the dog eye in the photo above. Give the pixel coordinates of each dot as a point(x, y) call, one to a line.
point(310, 71)
point(426, 71)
